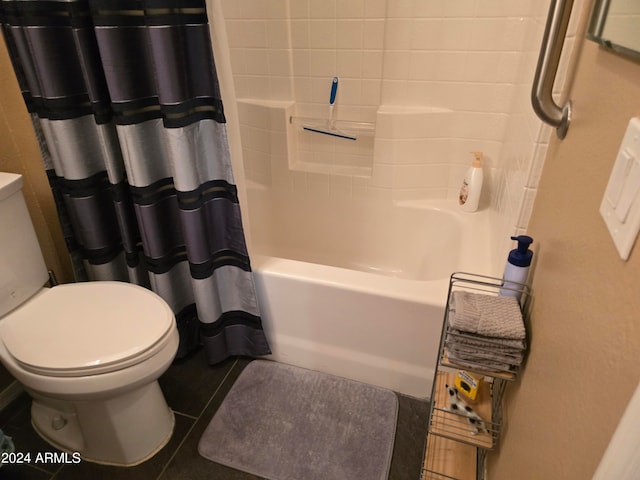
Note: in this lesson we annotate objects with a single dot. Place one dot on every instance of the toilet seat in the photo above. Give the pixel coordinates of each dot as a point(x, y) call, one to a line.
point(106, 326)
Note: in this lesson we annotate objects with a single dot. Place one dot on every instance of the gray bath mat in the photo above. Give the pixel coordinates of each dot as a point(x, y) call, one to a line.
point(287, 423)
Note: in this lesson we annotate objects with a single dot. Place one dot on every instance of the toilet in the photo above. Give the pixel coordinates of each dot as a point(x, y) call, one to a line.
point(89, 354)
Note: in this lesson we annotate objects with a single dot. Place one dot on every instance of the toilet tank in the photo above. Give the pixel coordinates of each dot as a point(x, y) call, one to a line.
point(22, 268)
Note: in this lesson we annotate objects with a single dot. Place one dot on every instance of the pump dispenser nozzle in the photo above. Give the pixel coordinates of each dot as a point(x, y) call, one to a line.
point(521, 256)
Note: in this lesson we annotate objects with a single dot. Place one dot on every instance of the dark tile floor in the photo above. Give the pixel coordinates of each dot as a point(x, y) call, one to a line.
point(194, 391)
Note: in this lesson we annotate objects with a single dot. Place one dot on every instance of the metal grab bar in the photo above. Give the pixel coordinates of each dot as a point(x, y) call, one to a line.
point(542, 91)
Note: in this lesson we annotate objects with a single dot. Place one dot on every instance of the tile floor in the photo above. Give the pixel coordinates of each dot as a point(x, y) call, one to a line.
point(194, 391)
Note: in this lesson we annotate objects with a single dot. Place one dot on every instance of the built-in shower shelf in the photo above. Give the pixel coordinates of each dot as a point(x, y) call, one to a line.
point(323, 168)
point(347, 127)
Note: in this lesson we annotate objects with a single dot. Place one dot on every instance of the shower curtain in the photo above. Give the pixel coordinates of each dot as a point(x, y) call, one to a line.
point(125, 101)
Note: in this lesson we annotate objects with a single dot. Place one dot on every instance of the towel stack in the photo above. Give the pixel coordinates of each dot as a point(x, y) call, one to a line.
point(485, 331)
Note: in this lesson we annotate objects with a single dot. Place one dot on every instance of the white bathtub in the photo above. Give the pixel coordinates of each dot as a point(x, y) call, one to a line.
point(357, 289)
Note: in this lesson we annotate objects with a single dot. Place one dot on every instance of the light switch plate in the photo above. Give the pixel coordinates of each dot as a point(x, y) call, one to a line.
point(620, 207)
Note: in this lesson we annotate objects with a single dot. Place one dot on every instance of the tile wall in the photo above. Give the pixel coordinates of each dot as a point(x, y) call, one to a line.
point(526, 139)
point(439, 79)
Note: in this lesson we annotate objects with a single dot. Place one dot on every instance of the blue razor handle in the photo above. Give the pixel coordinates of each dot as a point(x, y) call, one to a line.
point(334, 90)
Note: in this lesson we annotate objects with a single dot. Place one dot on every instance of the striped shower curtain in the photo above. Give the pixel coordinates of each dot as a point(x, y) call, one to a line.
point(126, 104)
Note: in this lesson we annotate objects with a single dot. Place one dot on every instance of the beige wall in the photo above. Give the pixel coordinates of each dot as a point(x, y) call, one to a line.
point(19, 154)
point(583, 365)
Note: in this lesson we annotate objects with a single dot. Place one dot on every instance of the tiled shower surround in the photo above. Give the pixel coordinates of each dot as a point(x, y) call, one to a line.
point(438, 80)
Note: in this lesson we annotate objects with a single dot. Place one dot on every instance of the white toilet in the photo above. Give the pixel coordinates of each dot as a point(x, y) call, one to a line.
point(89, 354)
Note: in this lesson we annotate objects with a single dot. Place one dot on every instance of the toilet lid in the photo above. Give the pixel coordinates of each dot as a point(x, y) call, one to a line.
point(86, 328)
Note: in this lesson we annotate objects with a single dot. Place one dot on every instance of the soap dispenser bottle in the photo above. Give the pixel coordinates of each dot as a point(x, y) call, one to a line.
point(517, 267)
point(472, 185)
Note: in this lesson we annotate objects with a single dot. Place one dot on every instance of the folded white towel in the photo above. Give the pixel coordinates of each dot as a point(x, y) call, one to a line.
point(487, 315)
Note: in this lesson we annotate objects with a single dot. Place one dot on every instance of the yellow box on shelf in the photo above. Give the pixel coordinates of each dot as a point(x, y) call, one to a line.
point(468, 385)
